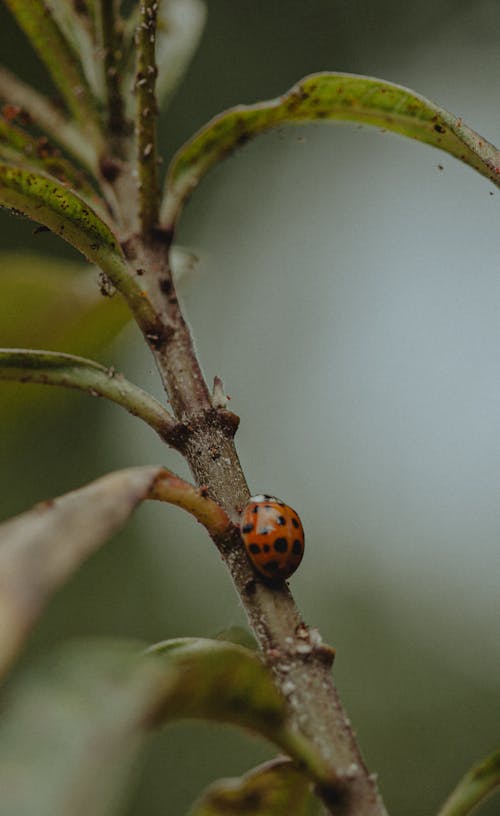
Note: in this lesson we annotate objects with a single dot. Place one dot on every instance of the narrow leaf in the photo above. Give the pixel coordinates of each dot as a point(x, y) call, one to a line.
point(41, 548)
point(22, 149)
point(48, 202)
point(47, 117)
point(61, 60)
point(326, 97)
point(480, 782)
point(276, 788)
point(52, 368)
point(76, 24)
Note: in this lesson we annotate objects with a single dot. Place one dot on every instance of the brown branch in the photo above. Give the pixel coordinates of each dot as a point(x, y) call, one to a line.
point(300, 662)
point(298, 659)
point(147, 111)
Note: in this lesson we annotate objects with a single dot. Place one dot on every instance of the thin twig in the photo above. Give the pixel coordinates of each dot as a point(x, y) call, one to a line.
point(147, 160)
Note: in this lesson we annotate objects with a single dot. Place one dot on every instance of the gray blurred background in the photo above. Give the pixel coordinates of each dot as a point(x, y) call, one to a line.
point(348, 294)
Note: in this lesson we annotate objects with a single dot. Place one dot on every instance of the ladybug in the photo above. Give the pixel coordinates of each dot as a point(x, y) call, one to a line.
point(273, 536)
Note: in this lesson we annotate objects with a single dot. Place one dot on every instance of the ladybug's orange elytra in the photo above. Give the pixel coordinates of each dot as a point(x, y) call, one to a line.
point(273, 536)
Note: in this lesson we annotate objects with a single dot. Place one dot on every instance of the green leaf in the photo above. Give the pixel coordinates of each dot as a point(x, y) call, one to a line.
point(40, 26)
point(50, 203)
point(73, 728)
point(326, 97)
point(22, 149)
point(480, 782)
point(76, 25)
point(228, 683)
point(41, 548)
point(276, 788)
point(52, 368)
point(222, 682)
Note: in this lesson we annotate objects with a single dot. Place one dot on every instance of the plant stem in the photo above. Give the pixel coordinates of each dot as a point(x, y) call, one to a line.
point(108, 25)
point(147, 111)
point(295, 654)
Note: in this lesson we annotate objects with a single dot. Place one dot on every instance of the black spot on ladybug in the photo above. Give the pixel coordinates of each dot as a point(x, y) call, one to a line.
point(255, 509)
point(295, 523)
point(281, 520)
point(254, 548)
point(247, 528)
point(272, 566)
point(297, 547)
point(281, 545)
point(266, 547)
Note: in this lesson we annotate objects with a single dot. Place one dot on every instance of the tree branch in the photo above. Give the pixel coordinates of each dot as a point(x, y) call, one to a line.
point(298, 659)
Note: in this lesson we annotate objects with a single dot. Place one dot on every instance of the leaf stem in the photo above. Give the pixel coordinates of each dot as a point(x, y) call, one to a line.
point(170, 488)
point(147, 110)
point(54, 368)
